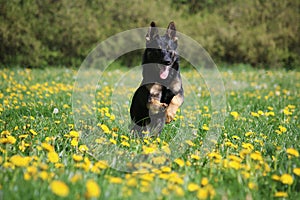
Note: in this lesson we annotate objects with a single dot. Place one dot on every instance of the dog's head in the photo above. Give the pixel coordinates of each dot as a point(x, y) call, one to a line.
point(162, 49)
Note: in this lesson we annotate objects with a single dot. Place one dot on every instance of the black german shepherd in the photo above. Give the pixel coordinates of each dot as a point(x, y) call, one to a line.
point(160, 94)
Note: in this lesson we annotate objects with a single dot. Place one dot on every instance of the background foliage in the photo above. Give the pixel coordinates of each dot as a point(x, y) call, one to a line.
point(263, 33)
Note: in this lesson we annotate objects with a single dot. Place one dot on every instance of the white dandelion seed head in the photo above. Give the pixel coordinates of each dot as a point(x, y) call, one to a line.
point(55, 110)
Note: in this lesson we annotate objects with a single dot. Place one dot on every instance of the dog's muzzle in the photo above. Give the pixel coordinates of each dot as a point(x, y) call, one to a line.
point(168, 61)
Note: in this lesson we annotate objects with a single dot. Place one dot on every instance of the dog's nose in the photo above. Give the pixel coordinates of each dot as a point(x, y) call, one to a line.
point(167, 60)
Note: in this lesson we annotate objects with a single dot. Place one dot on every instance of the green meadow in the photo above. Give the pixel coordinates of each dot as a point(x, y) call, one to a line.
point(43, 154)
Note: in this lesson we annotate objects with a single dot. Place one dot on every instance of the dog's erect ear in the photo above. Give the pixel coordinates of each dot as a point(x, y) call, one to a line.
point(152, 32)
point(171, 30)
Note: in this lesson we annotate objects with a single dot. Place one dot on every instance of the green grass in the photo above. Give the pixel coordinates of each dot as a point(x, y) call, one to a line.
point(255, 157)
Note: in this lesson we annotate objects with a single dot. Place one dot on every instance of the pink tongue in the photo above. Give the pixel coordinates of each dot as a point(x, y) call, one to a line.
point(164, 73)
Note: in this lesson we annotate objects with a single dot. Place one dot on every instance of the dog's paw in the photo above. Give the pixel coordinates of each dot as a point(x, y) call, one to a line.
point(156, 106)
point(158, 103)
point(170, 113)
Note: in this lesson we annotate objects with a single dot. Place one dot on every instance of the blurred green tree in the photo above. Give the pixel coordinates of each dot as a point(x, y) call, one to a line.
point(39, 33)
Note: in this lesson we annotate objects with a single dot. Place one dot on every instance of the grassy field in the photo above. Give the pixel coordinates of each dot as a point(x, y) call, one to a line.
point(43, 157)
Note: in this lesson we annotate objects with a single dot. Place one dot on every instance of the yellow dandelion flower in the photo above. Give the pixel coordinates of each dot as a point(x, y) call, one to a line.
point(164, 176)
point(235, 158)
point(112, 117)
point(230, 144)
point(159, 160)
point(271, 113)
point(214, 155)
point(252, 186)
point(286, 179)
point(8, 140)
point(102, 164)
point(105, 128)
point(125, 144)
point(83, 148)
point(59, 188)
point(74, 134)
point(165, 169)
point(236, 137)
point(156, 171)
point(132, 182)
point(124, 137)
point(100, 140)
point(202, 193)
point(190, 143)
point(196, 157)
point(256, 156)
point(8, 165)
point(11, 139)
point(204, 181)
point(59, 165)
point(76, 178)
point(254, 114)
point(234, 114)
point(43, 175)
point(270, 108)
point(147, 177)
point(33, 132)
point(148, 150)
point(20, 161)
point(179, 191)
point(49, 139)
point(245, 174)
point(115, 180)
point(234, 165)
point(47, 146)
point(174, 178)
point(260, 112)
point(77, 158)
point(281, 194)
point(53, 157)
point(26, 176)
point(295, 170)
point(179, 162)
point(282, 129)
point(32, 170)
point(291, 106)
point(95, 169)
point(43, 166)
point(126, 192)
point(92, 189)
point(23, 145)
point(211, 191)
point(113, 141)
point(192, 187)
point(286, 111)
point(66, 106)
point(165, 191)
point(74, 142)
point(205, 127)
point(166, 149)
point(293, 152)
point(247, 146)
point(275, 177)
point(5, 133)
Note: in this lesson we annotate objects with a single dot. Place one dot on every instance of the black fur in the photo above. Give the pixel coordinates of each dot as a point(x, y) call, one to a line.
point(161, 82)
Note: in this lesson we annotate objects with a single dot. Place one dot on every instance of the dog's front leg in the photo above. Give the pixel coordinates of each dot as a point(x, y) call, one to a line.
point(175, 103)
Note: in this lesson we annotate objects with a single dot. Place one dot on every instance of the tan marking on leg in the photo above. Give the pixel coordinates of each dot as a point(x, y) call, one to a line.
point(173, 107)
